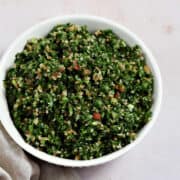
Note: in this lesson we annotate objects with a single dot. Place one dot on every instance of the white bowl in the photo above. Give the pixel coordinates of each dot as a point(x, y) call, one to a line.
point(93, 23)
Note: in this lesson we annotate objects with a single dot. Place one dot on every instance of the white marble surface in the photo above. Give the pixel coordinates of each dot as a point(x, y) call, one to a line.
point(157, 22)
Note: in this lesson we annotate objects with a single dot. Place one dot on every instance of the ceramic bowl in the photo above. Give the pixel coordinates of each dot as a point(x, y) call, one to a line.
point(93, 23)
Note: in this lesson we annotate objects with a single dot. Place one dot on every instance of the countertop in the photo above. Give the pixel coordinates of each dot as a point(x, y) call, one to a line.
point(158, 24)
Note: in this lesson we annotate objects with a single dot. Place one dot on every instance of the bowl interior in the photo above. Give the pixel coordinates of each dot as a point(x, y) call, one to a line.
point(93, 23)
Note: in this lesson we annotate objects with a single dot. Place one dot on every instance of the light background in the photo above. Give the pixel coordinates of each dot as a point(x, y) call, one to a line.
point(157, 22)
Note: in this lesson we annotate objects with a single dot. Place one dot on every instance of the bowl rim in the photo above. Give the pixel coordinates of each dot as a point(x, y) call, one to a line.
point(84, 163)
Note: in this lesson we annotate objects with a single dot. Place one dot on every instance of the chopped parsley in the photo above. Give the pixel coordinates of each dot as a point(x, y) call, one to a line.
point(77, 94)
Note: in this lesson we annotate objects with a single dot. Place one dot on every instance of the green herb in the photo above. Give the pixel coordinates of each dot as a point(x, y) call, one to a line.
point(77, 94)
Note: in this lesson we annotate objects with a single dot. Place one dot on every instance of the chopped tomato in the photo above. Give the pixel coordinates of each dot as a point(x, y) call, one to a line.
point(76, 65)
point(96, 116)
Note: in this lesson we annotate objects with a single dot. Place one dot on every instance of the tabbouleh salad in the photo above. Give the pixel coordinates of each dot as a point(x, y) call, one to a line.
point(77, 94)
